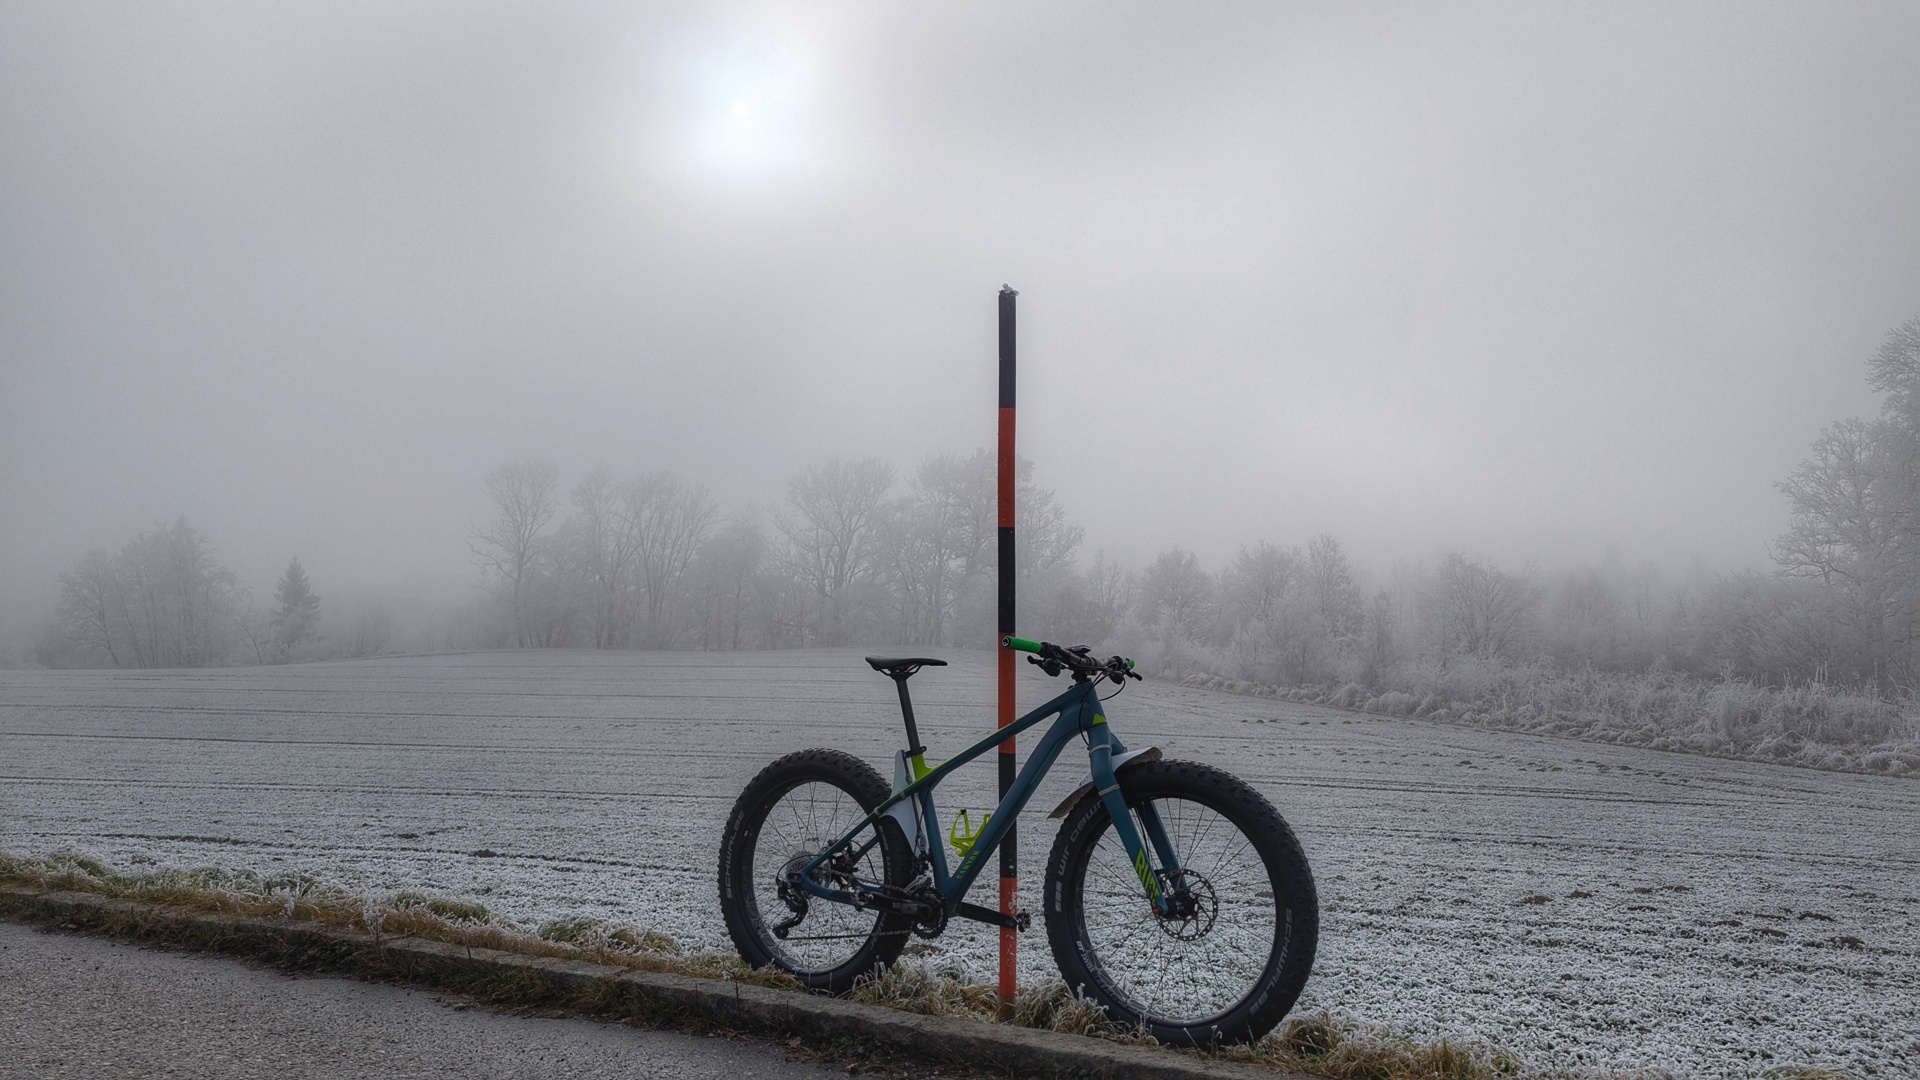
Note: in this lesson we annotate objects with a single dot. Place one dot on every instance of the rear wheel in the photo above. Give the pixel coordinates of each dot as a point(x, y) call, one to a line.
point(787, 815)
point(1231, 958)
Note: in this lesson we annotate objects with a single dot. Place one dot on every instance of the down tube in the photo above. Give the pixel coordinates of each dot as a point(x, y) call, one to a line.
point(1071, 722)
point(922, 789)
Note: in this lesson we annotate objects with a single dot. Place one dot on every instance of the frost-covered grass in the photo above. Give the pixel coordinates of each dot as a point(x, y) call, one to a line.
point(1813, 725)
point(410, 914)
point(1585, 905)
point(1333, 1046)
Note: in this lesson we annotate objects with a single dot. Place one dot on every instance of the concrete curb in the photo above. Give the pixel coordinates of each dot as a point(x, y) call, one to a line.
point(666, 999)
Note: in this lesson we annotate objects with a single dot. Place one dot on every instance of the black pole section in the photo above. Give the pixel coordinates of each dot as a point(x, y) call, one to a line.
point(1009, 860)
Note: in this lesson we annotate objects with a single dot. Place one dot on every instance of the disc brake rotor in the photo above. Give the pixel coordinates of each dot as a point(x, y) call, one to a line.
point(1192, 907)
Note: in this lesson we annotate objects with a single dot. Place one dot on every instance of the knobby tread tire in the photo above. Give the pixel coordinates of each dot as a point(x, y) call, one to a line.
point(1297, 915)
point(737, 841)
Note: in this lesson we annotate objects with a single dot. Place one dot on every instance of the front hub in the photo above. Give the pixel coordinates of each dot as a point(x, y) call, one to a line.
point(1192, 906)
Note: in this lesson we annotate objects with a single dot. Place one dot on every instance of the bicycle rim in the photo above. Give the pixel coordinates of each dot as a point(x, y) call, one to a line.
point(800, 822)
point(1182, 972)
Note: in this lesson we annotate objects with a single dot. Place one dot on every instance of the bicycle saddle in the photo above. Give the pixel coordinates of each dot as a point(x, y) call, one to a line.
point(901, 667)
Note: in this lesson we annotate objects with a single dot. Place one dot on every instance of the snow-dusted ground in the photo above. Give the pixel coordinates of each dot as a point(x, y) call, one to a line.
point(1582, 904)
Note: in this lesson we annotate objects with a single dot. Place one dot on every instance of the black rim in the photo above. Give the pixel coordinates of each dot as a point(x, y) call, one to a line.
point(1168, 972)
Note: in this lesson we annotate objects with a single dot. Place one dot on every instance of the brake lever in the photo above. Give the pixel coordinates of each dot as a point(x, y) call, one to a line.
point(1046, 664)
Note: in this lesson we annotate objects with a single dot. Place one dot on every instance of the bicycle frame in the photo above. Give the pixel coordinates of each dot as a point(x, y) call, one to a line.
point(1078, 711)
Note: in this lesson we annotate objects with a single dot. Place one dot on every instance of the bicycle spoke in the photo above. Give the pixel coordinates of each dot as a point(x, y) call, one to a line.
point(799, 827)
point(1170, 979)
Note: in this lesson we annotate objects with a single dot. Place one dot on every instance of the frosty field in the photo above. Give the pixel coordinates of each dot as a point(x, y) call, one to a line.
point(1585, 905)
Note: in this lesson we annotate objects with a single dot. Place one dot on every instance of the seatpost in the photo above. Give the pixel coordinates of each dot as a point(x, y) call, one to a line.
point(914, 749)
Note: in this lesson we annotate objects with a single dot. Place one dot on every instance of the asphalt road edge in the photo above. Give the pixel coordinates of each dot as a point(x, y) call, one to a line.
point(657, 999)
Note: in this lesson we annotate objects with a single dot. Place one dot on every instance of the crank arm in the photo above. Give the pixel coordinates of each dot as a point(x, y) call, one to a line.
point(992, 917)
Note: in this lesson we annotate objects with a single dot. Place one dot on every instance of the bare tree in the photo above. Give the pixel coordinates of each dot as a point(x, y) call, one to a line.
point(523, 496)
point(834, 510)
point(1044, 540)
point(1256, 583)
point(1856, 518)
point(913, 563)
point(1334, 591)
point(164, 601)
point(608, 538)
point(89, 595)
point(1381, 627)
point(255, 628)
point(1176, 595)
point(1483, 611)
point(723, 575)
point(667, 520)
point(1841, 530)
point(1109, 594)
point(949, 529)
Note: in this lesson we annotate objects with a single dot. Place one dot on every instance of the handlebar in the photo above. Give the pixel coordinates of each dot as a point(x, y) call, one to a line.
point(1053, 659)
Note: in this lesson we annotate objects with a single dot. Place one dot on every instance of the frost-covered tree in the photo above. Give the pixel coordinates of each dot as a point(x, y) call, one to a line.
point(1335, 596)
point(507, 548)
point(1255, 584)
point(1044, 540)
point(1856, 520)
point(603, 539)
point(164, 600)
point(1482, 610)
point(723, 582)
point(668, 519)
point(92, 605)
point(1176, 595)
point(296, 611)
point(831, 522)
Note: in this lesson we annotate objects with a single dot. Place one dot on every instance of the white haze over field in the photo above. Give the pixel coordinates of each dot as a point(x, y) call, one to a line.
point(1524, 280)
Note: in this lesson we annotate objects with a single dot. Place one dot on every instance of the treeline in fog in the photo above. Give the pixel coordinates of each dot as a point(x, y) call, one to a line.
point(853, 554)
point(165, 599)
point(1815, 662)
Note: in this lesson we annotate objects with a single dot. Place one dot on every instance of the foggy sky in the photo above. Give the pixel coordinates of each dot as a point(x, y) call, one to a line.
point(1525, 280)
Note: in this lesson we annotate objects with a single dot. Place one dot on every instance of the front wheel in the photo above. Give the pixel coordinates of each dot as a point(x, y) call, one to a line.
point(1232, 957)
point(787, 815)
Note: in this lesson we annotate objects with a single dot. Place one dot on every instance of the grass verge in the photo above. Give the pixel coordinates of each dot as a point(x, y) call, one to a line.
point(1322, 1043)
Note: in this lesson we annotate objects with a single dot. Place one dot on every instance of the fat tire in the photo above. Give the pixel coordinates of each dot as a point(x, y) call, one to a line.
point(1296, 921)
point(737, 842)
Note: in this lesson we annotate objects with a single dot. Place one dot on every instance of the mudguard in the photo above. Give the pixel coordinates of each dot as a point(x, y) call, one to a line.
point(1120, 761)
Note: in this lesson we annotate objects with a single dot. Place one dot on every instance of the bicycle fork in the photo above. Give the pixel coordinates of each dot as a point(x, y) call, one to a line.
point(1106, 785)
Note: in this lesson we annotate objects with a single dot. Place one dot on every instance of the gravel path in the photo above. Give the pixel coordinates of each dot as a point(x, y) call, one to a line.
point(87, 1007)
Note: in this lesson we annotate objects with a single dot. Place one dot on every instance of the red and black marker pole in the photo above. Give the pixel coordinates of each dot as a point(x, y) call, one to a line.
point(1009, 860)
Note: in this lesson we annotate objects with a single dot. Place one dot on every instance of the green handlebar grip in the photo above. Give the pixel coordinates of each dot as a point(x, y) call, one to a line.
point(1018, 644)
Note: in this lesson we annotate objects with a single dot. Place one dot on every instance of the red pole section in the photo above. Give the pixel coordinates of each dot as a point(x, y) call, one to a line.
point(1009, 860)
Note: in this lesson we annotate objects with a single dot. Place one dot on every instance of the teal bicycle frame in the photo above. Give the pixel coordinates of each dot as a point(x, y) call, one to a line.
point(1079, 714)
